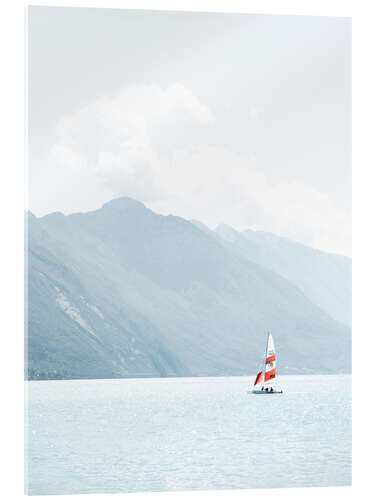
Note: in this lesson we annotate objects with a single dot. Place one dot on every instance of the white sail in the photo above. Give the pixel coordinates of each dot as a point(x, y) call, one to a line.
point(270, 361)
point(267, 374)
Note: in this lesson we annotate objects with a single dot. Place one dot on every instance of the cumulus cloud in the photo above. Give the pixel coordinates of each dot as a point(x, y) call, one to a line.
point(117, 139)
point(124, 121)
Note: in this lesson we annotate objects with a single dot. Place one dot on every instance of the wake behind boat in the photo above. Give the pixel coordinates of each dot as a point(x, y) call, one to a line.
point(266, 377)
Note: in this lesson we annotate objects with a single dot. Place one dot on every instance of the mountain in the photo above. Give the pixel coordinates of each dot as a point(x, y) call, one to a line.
point(326, 279)
point(124, 292)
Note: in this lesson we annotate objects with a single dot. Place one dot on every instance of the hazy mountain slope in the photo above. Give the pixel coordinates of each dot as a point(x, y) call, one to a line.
point(324, 278)
point(122, 291)
point(77, 326)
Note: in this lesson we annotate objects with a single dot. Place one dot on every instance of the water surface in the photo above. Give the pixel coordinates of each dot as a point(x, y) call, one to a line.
point(102, 436)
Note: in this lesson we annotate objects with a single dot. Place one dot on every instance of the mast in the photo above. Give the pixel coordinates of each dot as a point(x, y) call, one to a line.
point(265, 359)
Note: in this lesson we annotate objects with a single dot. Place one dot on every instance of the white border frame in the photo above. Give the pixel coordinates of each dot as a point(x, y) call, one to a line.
point(11, 210)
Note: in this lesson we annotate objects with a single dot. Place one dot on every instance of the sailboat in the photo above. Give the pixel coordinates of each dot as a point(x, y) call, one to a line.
point(266, 377)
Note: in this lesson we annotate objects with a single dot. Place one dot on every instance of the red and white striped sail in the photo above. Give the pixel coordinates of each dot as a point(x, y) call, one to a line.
point(270, 361)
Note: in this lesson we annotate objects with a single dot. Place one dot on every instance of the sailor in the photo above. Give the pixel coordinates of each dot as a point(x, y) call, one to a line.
point(263, 388)
point(266, 389)
point(271, 389)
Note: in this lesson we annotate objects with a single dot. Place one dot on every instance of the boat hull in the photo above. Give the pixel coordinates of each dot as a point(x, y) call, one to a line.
point(264, 392)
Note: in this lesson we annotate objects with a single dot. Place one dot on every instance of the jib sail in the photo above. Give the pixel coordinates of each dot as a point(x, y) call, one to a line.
point(258, 378)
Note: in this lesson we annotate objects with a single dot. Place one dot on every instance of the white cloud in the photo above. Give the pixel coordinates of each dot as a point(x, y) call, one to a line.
point(218, 186)
point(124, 121)
point(114, 139)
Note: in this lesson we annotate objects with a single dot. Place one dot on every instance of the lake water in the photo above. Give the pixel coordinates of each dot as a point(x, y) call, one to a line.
point(102, 436)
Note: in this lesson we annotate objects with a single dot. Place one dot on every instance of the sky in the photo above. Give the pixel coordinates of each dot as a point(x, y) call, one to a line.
point(234, 119)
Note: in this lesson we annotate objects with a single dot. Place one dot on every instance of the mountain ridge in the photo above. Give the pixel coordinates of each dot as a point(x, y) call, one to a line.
point(325, 278)
point(172, 301)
